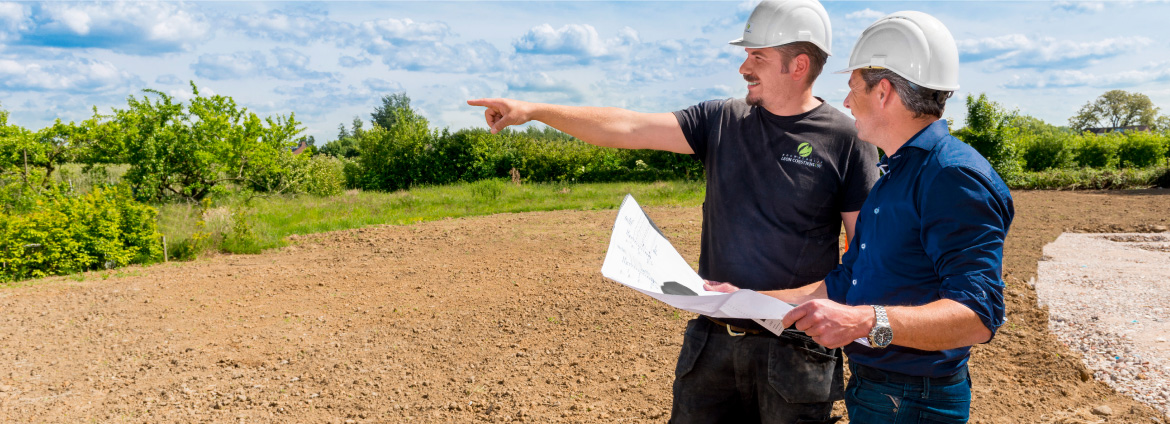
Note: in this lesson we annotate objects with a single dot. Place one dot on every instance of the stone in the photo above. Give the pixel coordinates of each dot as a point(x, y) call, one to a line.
point(1103, 410)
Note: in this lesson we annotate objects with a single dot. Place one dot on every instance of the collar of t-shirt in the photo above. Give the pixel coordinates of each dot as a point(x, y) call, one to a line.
point(792, 118)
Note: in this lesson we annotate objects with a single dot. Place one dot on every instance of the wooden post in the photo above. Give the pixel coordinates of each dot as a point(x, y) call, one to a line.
point(164, 248)
point(25, 166)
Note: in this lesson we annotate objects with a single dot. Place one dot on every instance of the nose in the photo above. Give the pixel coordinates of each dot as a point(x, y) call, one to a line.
point(743, 68)
point(847, 99)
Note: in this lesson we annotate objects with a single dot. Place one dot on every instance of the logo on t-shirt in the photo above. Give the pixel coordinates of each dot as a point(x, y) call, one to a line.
point(803, 151)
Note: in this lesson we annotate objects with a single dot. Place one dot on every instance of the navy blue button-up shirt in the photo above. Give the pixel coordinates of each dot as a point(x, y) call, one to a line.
point(932, 228)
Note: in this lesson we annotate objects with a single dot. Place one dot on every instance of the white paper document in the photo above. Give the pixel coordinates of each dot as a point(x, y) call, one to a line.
point(640, 257)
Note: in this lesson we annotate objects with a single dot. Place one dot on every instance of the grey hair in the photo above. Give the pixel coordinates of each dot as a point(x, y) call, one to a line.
point(918, 99)
point(816, 57)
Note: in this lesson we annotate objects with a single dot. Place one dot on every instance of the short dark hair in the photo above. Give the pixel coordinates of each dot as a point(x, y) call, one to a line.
point(816, 57)
point(918, 99)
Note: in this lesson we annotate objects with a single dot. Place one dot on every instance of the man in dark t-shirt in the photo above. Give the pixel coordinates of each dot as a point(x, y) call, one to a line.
point(784, 170)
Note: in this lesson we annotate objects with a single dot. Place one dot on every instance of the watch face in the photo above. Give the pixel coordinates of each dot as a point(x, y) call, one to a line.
point(882, 336)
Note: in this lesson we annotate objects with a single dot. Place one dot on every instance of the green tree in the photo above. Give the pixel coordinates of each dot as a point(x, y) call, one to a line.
point(1115, 108)
point(385, 115)
point(397, 157)
point(1162, 124)
point(345, 146)
point(178, 151)
point(991, 132)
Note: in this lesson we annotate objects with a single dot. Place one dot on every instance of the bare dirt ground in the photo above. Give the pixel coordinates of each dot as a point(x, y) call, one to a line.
point(489, 319)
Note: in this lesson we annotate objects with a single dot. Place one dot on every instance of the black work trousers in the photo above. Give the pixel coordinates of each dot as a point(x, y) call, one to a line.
point(763, 378)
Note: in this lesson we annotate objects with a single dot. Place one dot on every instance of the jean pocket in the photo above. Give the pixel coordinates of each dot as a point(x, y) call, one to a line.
point(873, 398)
point(801, 374)
point(693, 341)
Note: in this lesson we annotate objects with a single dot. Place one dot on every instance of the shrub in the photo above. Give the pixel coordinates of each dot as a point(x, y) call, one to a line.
point(1098, 151)
point(1090, 179)
point(104, 228)
point(989, 130)
point(1141, 149)
point(324, 176)
point(1046, 150)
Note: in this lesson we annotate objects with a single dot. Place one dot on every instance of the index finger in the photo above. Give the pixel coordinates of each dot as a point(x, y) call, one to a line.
point(795, 315)
point(483, 102)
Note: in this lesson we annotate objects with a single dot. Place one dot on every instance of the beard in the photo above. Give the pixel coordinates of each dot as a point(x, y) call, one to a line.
point(753, 101)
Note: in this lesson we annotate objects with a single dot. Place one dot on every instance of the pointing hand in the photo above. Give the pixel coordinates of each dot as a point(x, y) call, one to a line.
point(501, 113)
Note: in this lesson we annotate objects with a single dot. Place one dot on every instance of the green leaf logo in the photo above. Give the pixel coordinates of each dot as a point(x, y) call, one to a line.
point(804, 149)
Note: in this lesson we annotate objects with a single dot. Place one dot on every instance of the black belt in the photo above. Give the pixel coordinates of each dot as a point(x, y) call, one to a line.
point(874, 374)
point(737, 331)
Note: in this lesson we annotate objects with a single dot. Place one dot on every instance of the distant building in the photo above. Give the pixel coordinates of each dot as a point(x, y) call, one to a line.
point(297, 150)
point(1144, 128)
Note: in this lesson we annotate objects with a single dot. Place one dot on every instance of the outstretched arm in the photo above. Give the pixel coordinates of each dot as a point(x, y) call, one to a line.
point(600, 126)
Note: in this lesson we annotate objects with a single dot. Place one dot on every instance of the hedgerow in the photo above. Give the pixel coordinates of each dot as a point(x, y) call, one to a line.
point(65, 233)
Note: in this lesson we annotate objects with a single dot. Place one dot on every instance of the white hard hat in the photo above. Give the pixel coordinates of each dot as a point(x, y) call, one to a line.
point(778, 22)
point(914, 45)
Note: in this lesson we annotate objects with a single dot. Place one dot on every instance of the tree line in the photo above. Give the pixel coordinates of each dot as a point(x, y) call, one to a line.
point(210, 147)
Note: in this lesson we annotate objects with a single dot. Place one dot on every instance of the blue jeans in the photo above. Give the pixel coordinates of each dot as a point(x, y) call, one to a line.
point(753, 379)
point(890, 398)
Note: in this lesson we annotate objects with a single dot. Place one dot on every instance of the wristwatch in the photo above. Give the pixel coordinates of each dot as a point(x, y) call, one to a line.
point(881, 335)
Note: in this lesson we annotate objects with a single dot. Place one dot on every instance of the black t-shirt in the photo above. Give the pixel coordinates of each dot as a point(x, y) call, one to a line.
point(776, 187)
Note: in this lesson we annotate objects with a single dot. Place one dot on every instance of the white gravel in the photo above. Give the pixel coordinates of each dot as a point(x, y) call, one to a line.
point(1109, 299)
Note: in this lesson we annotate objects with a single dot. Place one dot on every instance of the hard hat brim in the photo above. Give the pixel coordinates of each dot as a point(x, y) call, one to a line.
point(930, 86)
point(740, 42)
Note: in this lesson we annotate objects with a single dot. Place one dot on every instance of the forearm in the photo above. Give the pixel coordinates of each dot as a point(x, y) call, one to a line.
point(939, 325)
point(614, 127)
point(800, 295)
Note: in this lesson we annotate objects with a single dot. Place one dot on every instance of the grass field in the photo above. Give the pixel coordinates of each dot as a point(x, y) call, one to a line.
point(236, 225)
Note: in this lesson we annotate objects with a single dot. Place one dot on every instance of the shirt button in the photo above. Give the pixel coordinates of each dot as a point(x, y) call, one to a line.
point(876, 210)
point(855, 282)
point(862, 246)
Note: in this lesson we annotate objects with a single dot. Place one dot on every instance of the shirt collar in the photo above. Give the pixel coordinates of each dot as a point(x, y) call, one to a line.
point(926, 139)
point(929, 137)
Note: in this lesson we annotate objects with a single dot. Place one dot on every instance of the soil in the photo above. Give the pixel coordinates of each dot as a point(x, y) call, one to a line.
point(493, 319)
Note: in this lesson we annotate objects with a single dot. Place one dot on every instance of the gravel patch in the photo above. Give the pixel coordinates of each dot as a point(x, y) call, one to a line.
point(1108, 297)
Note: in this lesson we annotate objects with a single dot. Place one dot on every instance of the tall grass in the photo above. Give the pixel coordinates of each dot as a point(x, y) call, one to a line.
point(237, 226)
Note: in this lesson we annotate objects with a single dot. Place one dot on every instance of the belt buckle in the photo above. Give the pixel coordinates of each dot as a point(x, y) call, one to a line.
point(732, 332)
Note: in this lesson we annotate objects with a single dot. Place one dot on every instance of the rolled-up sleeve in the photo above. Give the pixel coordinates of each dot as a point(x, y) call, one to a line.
point(965, 220)
point(837, 283)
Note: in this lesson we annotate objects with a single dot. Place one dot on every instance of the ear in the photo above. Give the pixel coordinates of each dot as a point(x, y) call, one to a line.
point(799, 67)
point(885, 93)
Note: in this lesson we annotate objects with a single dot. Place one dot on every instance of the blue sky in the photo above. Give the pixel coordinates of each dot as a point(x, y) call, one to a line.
point(331, 61)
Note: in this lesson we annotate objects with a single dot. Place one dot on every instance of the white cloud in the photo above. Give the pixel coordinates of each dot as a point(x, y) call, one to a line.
point(580, 42)
point(78, 74)
point(419, 46)
point(1020, 51)
point(230, 66)
point(1079, 6)
point(384, 35)
point(290, 65)
point(168, 79)
point(299, 26)
point(13, 20)
point(476, 57)
point(867, 14)
point(1077, 78)
point(353, 62)
point(136, 28)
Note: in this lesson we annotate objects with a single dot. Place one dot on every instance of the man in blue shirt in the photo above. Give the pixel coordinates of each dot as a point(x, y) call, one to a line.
point(922, 278)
